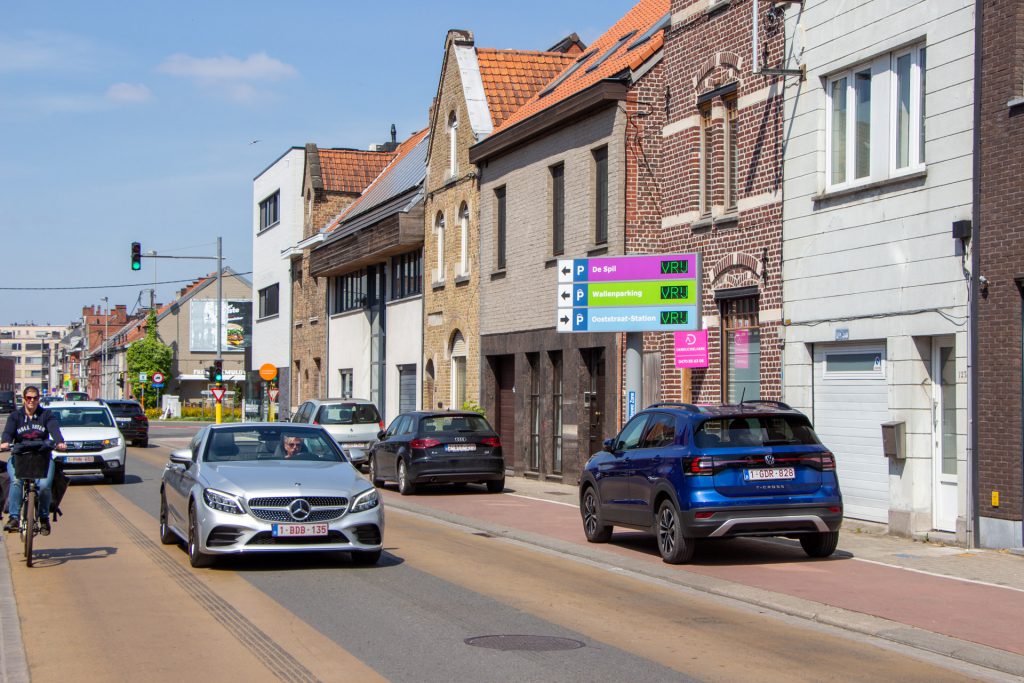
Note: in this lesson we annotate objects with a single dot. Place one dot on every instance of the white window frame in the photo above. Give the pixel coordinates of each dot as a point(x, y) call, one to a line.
point(464, 237)
point(884, 119)
point(453, 150)
point(874, 374)
point(439, 229)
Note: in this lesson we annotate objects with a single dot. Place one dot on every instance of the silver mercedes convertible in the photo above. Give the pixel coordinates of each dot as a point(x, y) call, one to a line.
point(268, 487)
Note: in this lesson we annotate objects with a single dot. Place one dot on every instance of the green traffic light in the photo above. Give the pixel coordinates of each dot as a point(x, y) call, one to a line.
point(136, 265)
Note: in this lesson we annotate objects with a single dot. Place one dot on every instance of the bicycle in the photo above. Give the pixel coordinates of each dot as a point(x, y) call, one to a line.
point(31, 462)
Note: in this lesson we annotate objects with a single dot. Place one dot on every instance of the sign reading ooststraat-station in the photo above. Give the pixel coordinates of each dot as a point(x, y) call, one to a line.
point(659, 293)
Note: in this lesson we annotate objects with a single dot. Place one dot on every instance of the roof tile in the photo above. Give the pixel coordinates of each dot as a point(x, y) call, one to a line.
point(512, 77)
point(351, 170)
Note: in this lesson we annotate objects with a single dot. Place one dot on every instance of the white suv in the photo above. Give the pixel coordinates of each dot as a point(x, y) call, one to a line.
point(95, 445)
point(353, 422)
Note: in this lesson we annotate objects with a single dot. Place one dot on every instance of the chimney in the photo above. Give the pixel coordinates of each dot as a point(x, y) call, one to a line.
point(387, 146)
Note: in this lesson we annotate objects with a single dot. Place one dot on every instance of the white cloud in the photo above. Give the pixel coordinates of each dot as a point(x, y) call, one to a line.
point(128, 93)
point(213, 70)
point(45, 50)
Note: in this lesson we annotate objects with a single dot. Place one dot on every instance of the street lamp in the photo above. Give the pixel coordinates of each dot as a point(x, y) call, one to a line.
point(103, 361)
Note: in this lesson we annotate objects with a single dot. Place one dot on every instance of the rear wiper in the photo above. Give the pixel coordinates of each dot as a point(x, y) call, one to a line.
point(778, 442)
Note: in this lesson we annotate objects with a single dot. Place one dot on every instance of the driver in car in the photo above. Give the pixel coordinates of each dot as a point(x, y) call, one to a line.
point(294, 449)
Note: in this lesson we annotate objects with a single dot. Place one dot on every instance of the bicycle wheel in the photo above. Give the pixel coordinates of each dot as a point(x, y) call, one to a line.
point(30, 523)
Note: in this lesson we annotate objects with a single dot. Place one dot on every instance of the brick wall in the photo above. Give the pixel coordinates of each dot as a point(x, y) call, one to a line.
point(707, 52)
point(1002, 258)
point(451, 299)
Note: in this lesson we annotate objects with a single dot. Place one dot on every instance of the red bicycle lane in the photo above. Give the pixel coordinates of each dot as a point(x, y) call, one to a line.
point(976, 612)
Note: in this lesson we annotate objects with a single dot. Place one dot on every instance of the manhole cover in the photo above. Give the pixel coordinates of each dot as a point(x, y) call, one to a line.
point(527, 643)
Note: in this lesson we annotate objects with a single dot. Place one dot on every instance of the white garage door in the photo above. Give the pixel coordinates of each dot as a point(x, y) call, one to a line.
point(850, 403)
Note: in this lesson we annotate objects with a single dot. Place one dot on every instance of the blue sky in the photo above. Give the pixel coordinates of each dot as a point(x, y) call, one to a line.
point(136, 121)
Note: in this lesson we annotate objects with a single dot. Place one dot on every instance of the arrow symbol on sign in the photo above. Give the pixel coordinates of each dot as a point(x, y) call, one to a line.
point(565, 295)
point(563, 319)
point(565, 270)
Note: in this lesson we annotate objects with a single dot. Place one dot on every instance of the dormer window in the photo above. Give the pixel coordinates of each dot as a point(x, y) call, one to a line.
point(453, 157)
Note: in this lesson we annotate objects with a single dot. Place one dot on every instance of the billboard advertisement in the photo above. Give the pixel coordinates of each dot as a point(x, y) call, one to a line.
point(236, 325)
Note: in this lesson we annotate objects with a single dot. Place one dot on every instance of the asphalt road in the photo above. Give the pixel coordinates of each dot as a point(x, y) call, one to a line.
point(107, 602)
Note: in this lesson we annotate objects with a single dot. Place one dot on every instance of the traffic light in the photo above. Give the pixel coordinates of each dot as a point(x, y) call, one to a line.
point(210, 371)
point(136, 256)
point(120, 381)
point(218, 371)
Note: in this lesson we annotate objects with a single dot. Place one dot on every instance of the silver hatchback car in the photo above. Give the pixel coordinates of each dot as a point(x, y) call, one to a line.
point(352, 422)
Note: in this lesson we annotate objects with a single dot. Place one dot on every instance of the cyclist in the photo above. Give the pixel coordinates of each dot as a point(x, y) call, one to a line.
point(30, 423)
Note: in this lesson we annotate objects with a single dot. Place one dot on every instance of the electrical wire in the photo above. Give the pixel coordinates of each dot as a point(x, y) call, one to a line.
point(134, 284)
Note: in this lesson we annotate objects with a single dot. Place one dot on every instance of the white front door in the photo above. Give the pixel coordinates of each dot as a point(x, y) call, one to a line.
point(944, 437)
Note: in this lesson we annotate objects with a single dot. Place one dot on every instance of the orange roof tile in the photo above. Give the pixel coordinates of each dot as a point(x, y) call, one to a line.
point(642, 17)
point(399, 154)
point(351, 170)
point(512, 77)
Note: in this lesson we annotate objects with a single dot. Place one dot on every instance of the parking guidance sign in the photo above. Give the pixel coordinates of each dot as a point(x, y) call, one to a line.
point(629, 294)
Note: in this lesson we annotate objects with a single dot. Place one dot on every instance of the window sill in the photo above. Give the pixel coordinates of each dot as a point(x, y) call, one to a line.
point(702, 224)
point(892, 180)
point(597, 250)
point(727, 220)
point(272, 316)
point(437, 285)
point(462, 279)
point(715, 6)
point(1014, 103)
point(499, 274)
point(268, 228)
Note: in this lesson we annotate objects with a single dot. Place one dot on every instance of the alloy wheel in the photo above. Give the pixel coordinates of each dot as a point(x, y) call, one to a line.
point(667, 530)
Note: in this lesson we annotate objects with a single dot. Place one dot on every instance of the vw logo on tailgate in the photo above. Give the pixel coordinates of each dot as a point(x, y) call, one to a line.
point(299, 509)
point(769, 460)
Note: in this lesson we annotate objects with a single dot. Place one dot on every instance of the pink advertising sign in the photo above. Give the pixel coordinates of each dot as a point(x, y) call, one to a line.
point(692, 349)
point(741, 349)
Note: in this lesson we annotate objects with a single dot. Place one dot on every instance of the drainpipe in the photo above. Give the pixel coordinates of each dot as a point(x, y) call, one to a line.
point(973, 520)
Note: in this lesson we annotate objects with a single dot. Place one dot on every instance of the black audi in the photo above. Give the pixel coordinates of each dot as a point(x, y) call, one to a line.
point(438, 447)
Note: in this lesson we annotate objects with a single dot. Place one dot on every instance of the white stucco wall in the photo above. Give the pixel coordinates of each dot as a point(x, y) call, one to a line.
point(271, 336)
point(880, 262)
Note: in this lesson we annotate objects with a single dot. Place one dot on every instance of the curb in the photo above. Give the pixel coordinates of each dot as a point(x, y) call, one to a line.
point(856, 622)
point(13, 662)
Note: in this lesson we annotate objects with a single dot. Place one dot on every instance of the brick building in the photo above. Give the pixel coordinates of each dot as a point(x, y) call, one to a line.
point(333, 179)
point(553, 184)
point(721, 195)
point(478, 89)
point(1000, 432)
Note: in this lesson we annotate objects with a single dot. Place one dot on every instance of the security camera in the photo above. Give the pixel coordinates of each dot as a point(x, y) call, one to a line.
point(983, 281)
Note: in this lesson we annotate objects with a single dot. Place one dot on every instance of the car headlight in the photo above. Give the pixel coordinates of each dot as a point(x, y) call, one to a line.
point(223, 502)
point(367, 500)
point(110, 443)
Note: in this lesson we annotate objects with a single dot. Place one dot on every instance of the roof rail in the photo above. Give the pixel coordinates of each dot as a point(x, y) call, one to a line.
point(777, 404)
point(671, 404)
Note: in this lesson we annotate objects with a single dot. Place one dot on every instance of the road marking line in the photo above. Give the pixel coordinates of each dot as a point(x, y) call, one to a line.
point(543, 500)
point(941, 576)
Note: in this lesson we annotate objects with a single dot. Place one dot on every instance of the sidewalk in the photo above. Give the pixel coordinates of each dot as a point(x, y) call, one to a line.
point(967, 604)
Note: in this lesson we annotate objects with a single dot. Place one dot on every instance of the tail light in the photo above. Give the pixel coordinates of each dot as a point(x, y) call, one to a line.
point(316, 422)
point(704, 515)
point(492, 441)
point(140, 418)
point(828, 462)
point(424, 443)
point(701, 467)
point(380, 423)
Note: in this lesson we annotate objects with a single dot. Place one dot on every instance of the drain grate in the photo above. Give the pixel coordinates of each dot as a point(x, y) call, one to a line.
point(524, 643)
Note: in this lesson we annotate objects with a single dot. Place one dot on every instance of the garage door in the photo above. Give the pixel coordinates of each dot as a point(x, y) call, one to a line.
point(850, 402)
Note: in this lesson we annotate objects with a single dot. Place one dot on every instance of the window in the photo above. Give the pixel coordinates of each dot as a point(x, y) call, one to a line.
point(407, 274)
point(861, 149)
point(269, 301)
point(732, 156)
point(600, 195)
point(741, 350)
point(453, 159)
point(557, 208)
point(499, 198)
point(439, 231)
point(706, 148)
point(270, 211)
point(346, 382)
point(349, 292)
point(630, 435)
point(458, 371)
point(661, 433)
point(464, 240)
point(534, 361)
point(556, 411)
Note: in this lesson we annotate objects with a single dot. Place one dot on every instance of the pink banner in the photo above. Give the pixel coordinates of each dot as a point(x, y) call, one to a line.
point(692, 349)
point(741, 349)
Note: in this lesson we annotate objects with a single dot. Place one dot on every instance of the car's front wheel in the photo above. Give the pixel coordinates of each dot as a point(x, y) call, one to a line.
point(405, 487)
point(675, 548)
point(196, 557)
point(167, 537)
point(496, 485)
point(820, 544)
point(595, 529)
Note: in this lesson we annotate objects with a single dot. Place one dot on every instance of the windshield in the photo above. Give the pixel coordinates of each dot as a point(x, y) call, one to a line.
point(455, 423)
point(348, 414)
point(83, 417)
point(270, 443)
point(762, 430)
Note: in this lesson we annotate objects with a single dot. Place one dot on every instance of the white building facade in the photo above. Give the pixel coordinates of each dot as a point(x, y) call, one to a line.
point(277, 227)
point(877, 179)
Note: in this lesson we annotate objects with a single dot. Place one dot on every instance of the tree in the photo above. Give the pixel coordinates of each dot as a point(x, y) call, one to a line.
point(148, 355)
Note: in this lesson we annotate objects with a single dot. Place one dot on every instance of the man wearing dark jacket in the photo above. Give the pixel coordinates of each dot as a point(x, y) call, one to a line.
point(30, 423)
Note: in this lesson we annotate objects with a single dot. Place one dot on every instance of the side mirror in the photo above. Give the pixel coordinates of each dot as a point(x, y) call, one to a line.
point(182, 457)
point(609, 445)
point(380, 435)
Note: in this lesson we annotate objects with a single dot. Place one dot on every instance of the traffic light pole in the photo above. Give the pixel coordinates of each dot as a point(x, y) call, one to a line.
point(137, 257)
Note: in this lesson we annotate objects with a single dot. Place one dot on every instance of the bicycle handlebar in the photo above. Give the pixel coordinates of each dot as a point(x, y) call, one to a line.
point(32, 446)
